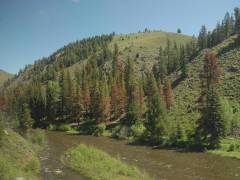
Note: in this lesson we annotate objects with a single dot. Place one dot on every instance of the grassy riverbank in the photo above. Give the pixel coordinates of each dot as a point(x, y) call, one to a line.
point(19, 156)
point(228, 148)
point(98, 165)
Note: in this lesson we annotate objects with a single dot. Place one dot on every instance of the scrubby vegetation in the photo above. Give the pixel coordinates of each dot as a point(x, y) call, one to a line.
point(17, 157)
point(98, 165)
point(229, 147)
point(19, 153)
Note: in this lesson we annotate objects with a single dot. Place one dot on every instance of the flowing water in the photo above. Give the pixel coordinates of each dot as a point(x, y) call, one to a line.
point(160, 164)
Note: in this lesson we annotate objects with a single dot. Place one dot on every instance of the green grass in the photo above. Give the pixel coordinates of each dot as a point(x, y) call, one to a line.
point(228, 148)
point(146, 45)
point(17, 158)
point(98, 165)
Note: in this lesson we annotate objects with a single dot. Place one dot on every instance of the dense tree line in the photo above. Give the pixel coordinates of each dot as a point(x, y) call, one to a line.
point(229, 26)
point(173, 58)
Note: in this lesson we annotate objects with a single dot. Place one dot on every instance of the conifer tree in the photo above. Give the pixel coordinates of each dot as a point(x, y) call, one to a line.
point(132, 91)
point(155, 110)
point(211, 124)
point(52, 101)
point(237, 20)
point(118, 98)
point(168, 94)
point(63, 109)
point(77, 106)
point(183, 62)
point(37, 102)
point(202, 38)
point(25, 119)
point(228, 25)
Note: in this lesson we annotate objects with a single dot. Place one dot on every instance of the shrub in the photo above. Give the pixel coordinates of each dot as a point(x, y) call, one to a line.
point(137, 130)
point(61, 127)
point(120, 132)
point(52, 127)
point(64, 127)
point(99, 130)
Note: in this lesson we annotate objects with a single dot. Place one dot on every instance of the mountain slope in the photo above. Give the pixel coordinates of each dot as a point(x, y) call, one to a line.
point(146, 45)
point(4, 76)
point(187, 91)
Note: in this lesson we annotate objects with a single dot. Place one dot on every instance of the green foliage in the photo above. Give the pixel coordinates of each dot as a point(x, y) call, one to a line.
point(227, 115)
point(99, 130)
point(52, 101)
point(17, 161)
point(25, 119)
point(229, 147)
point(98, 165)
point(59, 127)
point(137, 130)
point(95, 81)
point(121, 132)
point(63, 127)
point(156, 111)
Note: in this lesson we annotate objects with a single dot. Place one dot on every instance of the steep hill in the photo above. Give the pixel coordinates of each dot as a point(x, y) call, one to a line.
point(4, 76)
point(141, 47)
point(187, 91)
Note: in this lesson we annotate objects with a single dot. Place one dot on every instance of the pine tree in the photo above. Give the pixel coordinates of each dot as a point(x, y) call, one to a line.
point(132, 91)
point(168, 52)
point(25, 119)
point(168, 94)
point(155, 111)
point(183, 62)
point(237, 20)
point(228, 25)
point(52, 101)
point(160, 69)
point(202, 38)
point(77, 106)
point(118, 98)
point(63, 94)
point(211, 124)
point(37, 102)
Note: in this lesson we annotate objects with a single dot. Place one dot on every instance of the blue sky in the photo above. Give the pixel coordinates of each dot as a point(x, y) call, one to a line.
point(31, 29)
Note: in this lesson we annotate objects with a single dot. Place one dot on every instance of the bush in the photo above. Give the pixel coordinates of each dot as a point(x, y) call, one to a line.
point(52, 127)
point(121, 132)
point(64, 127)
point(137, 130)
point(61, 127)
point(99, 130)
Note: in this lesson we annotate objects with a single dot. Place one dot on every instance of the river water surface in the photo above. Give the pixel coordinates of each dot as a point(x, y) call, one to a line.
point(160, 164)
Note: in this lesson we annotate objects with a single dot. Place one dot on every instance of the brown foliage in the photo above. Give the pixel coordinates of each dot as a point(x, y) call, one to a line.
point(168, 94)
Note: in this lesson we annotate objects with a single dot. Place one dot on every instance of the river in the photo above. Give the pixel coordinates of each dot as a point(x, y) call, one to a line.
point(159, 163)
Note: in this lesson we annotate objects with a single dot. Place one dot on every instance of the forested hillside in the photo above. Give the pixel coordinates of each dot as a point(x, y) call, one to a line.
point(157, 87)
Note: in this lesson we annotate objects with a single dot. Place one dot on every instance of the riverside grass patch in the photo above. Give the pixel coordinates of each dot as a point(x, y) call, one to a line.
point(98, 165)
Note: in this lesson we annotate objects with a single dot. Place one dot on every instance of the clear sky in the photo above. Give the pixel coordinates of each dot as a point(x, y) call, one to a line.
point(31, 29)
